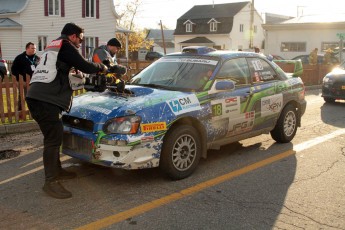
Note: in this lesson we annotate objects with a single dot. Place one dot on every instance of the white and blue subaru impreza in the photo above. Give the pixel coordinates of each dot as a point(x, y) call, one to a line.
point(180, 106)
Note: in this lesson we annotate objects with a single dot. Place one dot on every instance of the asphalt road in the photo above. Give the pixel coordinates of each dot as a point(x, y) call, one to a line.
point(252, 184)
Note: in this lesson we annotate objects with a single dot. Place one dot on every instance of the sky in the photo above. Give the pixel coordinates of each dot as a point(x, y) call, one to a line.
point(150, 12)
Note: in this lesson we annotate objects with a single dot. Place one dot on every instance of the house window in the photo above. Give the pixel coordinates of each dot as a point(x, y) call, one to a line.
point(90, 45)
point(255, 29)
point(241, 27)
point(329, 45)
point(293, 47)
point(54, 7)
point(213, 26)
point(42, 43)
point(189, 27)
point(90, 8)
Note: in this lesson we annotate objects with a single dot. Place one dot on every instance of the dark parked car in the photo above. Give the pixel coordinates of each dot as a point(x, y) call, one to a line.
point(3, 68)
point(180, 106)
point(333, 84)
point(153, 55)
point(305, 59)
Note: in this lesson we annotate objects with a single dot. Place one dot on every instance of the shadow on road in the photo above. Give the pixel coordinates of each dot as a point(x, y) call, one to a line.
point(333, 113)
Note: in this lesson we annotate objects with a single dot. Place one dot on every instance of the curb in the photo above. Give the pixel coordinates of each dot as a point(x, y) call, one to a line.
point(19, 127)
point(32, 125)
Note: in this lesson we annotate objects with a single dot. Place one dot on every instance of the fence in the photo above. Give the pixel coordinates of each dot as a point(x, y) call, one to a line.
point(11, 89)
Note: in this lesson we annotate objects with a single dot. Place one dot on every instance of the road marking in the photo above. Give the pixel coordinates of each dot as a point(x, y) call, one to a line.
point(116, 218)
point(30, 171)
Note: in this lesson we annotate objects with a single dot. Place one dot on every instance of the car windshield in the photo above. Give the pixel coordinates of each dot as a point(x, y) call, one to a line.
point(342, 65)
point(177, 73)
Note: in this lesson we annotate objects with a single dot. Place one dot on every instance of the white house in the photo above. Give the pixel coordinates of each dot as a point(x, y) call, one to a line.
point(222, 26)
point(300, 35)
point(40, 22)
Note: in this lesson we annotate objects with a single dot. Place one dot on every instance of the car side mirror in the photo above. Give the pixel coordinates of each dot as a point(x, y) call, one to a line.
point(225, 85)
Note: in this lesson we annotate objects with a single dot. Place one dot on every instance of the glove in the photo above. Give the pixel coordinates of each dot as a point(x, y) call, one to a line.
point(104, 68)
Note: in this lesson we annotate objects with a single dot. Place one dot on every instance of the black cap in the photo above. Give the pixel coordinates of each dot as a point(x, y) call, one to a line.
point(71, 28)
point(114, 42)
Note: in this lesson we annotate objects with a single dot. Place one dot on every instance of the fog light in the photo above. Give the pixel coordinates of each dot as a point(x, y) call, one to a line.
point(116, 154)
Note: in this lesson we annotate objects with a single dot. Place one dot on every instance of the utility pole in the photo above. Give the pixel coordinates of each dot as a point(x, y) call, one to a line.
point(165, 52)
point(251, 32)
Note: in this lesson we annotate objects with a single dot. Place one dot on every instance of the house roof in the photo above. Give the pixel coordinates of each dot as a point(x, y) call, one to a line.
point(317, 21)
point(276, 18)
point(317, 18)
point(200, 15)
point(11, 6)
point(9, 23)
point(214, 11)
point(167, 44)
point(198, 40)
point(157, 34)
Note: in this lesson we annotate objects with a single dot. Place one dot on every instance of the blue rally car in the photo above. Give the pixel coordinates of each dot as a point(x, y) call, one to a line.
point(180, 106)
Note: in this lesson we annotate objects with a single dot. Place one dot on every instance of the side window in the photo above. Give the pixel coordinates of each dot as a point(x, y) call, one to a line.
point(261, 71)
point(235, 70)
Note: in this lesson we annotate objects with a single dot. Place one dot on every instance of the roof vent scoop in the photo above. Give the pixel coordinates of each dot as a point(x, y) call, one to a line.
point(197, 49)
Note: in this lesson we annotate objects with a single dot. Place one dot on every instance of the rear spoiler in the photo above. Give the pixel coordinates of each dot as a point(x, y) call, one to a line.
point(294, 67)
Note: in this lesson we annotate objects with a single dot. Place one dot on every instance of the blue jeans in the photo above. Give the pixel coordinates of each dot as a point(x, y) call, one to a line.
point(48, 117)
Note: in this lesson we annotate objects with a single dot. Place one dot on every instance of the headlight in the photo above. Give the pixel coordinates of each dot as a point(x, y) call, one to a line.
point(122, 125)
point(327, 80)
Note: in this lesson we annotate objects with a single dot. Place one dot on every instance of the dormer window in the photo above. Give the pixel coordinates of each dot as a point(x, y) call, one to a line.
point(189, 25)
point(213, 24)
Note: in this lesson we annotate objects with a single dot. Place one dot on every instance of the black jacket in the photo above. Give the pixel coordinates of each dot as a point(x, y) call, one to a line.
point(22, 65)
point(59, 92)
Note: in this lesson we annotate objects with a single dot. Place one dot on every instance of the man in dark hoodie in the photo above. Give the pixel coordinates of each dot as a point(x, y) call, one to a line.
point(50, 93)
point(25, 64)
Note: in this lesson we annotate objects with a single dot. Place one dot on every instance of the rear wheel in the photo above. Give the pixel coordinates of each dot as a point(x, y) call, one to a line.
point(329, 99)
point(181, 152)
point(286, 127)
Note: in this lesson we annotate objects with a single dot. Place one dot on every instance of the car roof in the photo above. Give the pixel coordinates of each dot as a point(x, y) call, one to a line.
point(222, 54)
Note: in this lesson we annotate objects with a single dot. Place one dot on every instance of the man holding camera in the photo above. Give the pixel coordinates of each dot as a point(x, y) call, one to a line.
point(50, 93)
point(106, 54)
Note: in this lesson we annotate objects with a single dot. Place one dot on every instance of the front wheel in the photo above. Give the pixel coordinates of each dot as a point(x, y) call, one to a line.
point(286, 127)
point(181, 152)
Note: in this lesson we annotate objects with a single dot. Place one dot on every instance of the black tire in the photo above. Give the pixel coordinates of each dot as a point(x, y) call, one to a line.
point(286, 127)
point(181, 152)
point(329, 99)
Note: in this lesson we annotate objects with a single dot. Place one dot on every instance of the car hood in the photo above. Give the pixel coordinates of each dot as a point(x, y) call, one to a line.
point(99, 107)
point(337, 73)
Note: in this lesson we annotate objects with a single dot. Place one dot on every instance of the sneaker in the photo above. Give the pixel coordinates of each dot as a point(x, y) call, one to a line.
point(65, 175)
point(56, 190)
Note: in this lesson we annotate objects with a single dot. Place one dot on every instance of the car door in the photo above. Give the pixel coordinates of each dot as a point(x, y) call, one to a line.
point(229, 114)
point(265, 100)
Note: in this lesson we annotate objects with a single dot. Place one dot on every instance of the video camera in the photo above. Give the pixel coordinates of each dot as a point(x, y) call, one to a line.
point(111, 80)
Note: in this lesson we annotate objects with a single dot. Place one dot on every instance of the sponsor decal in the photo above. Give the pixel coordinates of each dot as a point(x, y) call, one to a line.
point(224, 108)
point(147, 139)
point(153, 127)
point(190, 60)
point(271, 104)
point(98, 109)
point(184, 104)
point(241, 125)
point(55, 44)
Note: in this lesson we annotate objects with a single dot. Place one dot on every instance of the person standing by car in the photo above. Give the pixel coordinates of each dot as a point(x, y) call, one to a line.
point(107, 53)
point(25, 64)
point(313, 57)
point(50, 93)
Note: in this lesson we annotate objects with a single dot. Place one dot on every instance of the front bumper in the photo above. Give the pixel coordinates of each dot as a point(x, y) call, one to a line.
point(335, 91)
point(142, 154)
